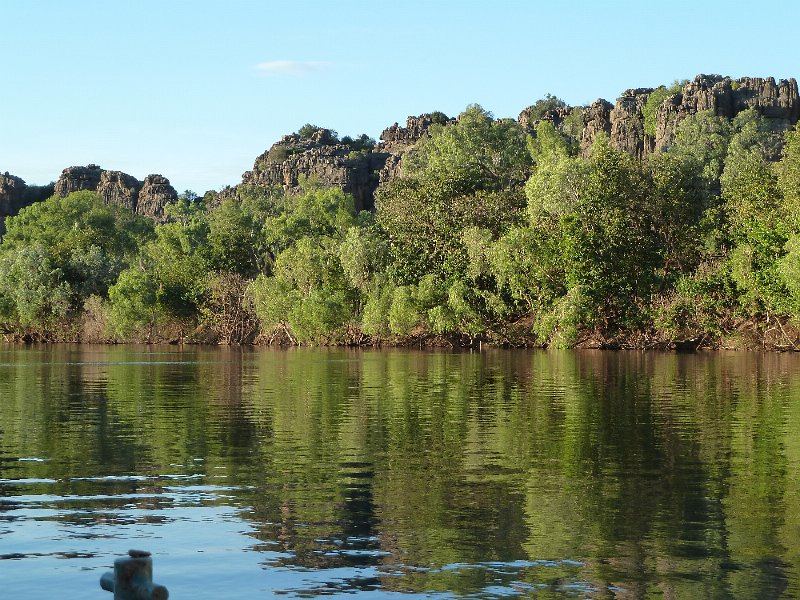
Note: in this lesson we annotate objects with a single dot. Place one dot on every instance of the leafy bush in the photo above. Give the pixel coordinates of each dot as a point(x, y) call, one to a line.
point(307, 130)
point(656, 99)
point(544, 105)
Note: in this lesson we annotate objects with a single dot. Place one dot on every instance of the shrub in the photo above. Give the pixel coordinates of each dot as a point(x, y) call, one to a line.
point(656, 99)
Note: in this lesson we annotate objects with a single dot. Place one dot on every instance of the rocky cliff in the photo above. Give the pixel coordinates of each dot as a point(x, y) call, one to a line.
point(359, 166)
point(725, 97)
point(359, 172)
point(321, 157)
point(147, 198)
point(396, 140)
point(15, 195)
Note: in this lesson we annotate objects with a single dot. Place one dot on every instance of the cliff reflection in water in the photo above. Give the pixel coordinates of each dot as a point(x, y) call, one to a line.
point(484, 474)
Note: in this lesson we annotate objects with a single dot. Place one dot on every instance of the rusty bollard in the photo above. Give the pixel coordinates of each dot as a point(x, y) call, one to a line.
point(132, 578)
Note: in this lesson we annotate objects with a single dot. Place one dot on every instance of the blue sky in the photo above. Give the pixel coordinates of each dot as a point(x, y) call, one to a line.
point(195, 90)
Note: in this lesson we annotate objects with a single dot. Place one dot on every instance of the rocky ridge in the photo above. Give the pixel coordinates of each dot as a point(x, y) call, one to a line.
point(147, 198)
point(331, 162)
point(357, 166)
point(360, 166)
point(15, 195)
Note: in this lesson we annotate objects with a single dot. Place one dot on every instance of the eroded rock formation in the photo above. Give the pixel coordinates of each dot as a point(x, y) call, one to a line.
point(116, 187)
point(15, 195)
point(320, 157)
point(75, 179)
point(723, 96)
point(359, 167)
point(623, 121)
point(726, 97)
point(148, 198)
point(596, 120)
point(156, 193)
point(627, 123)
point(396, 140)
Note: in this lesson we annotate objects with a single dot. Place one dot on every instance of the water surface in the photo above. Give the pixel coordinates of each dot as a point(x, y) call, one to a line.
point(395, 474)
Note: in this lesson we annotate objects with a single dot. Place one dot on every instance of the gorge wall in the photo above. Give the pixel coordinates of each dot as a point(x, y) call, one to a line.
point(359, 168)
point(147, 198)
point(624, 121)
point(346, 163)
point(324, 158)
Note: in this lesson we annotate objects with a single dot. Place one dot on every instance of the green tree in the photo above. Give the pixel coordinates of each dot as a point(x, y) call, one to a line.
point(476, 153)
point(33, 292)
point(82, 243)
point(465, 174)
point(655, 100)
point(752, 204)
point(133, 304)
point(168, 279)
point(306, 293)
point(594, 219)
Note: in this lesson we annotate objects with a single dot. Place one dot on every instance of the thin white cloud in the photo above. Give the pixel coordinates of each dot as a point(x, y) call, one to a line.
point(292, 67)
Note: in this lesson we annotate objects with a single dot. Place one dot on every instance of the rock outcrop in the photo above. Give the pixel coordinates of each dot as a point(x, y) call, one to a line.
point(359, 171)
point(15, 195)
point(116, 187)
point(360, 166)
point(76, 179)
point(396, 140)
point(357, 166)
point(725, 97)
point(624, 121)
point(12, 195)
point(148, 198)
point(528, 119)
point(155, 194)
point(627, 123)
point(320, 157)
point(596, 120)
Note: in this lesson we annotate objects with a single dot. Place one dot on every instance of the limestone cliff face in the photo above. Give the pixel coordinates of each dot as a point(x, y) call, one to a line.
point(627, 123)
point(76, 179)
point(331, 162)
point(120, 188)
point(359, 168)
point(347, 164)
point(147, 198)
point(596, 120)
point(12, 195)
point(320, 157)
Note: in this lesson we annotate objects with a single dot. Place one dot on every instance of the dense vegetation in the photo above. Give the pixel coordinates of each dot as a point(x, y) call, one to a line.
point(489, 235)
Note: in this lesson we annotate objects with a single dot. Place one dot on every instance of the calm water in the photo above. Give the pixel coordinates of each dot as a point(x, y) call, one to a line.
point(254, 474)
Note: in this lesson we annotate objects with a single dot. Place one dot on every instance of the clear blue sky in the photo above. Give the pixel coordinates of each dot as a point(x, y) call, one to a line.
point(195, 90)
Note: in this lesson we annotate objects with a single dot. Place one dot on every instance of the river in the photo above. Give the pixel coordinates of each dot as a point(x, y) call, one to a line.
point(400, 474)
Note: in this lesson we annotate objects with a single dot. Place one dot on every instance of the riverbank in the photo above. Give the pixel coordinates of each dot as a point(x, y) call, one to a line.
point(773, 334)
